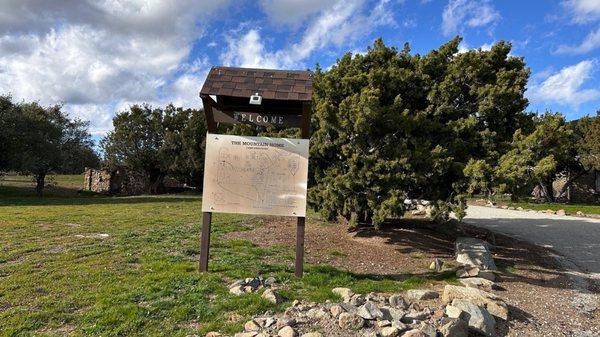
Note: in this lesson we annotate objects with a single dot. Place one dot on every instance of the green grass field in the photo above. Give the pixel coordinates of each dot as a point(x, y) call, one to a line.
point(107, 266)
point(569, 208)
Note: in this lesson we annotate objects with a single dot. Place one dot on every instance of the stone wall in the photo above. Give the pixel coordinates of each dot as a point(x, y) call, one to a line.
point(96, 180)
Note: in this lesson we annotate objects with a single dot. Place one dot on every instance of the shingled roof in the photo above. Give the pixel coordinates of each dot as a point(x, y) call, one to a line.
point(270, 84)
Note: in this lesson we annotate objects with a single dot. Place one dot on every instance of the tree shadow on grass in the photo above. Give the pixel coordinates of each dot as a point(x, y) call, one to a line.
point(23, 196)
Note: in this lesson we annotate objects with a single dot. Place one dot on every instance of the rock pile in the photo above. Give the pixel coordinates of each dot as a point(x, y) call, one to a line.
point(416, 313)
point(251, 285)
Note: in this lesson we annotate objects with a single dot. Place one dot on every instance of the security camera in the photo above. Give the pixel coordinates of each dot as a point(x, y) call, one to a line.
point(256, 99)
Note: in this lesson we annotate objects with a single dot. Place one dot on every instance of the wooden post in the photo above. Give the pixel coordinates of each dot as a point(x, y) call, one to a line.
point(205, 241)
point(207, 102)
point(300, 246)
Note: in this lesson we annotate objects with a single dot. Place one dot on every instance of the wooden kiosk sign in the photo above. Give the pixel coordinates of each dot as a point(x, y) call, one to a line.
point(256, 175)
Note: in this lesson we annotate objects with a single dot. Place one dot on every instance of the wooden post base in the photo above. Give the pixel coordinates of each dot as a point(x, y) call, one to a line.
point(205, 241)
point(300, 246)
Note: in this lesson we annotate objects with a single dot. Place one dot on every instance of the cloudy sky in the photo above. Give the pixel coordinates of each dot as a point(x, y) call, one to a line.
point(98, 56)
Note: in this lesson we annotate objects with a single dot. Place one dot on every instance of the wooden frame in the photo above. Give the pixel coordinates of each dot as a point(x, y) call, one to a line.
point(300, 108)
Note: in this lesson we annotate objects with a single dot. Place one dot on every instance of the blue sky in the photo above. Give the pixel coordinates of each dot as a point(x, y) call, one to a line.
point(99, 56)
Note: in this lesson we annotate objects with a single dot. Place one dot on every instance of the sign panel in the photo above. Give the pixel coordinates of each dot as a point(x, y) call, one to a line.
point(255, 175)
point(254, 118)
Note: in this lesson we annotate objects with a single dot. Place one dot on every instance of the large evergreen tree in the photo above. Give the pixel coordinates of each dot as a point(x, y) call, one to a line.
point(391, 125)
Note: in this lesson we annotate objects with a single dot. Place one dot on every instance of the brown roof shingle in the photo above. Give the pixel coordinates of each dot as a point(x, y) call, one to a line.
point(270, 84)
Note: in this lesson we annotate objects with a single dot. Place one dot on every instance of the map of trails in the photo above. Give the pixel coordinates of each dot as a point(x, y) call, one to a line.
point(255, 175)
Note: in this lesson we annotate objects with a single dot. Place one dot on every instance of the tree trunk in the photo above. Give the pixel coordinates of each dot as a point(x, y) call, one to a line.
point(39, 184)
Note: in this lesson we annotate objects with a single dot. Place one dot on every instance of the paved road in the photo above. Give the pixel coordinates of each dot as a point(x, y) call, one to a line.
point(577, 239)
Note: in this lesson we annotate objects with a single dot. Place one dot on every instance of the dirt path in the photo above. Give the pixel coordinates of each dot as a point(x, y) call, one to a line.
point(537, 290)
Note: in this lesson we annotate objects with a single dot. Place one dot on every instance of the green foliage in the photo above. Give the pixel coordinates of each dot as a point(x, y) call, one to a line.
point(157, 142)
point(537, 158)
point(37, 141)
point(390, 125)
point(589, 149)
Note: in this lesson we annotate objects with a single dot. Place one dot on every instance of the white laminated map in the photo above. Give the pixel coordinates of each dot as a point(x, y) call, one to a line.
point(255, 175)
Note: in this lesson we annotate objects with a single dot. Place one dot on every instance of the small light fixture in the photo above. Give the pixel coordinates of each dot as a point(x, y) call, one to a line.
point(256, 99)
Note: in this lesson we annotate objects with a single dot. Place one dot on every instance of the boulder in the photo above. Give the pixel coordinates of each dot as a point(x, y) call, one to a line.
point(345, 293)
point(389, 331)
point(317, 313)
point(357, 300)
point(369, 310)
point(246, 334)
point(422, 294)
point(269, 282)
point(455, 328)
point(474, 252)
point(478, 319)
point(561, 212)
point(428, 329)
point(494, 304)
point(350, 321)
point(272, 296)
point(287, 331)
point(580, 213)
point(397, 301)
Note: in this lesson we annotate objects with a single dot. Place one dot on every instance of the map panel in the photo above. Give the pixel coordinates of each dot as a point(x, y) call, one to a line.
point(255, 175)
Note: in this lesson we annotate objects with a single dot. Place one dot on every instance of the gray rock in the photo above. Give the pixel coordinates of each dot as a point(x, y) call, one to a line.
point(436, 265)
point(561, 212)
point(467, 271)
point(384, 323)
point(428, 330)
point(369, 310)
point(350, 321)
point(392, 314)
point(422, 294)
point(344, 293)
point(477, 282)
point(246, 334)
point(272, 296)
point(357, 300)
point(455, 328)
point(477, 317)
point(253, 282)
point(414, 333)
point(317, 313)
point(336, 310)
point(236, 284)
point(270, 282)
point(287, 331)
point(390, 331)
point(488, 275)
point(474, 252)
point(270, 321)
point(454, 312)
point(494, 304)
point(397, 301)
point(312, 334)
point(237, 290)
point(411, 317)
point(399, 325)
point(252, 326)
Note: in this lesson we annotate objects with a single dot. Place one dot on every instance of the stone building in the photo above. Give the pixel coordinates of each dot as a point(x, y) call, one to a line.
point(118, 181)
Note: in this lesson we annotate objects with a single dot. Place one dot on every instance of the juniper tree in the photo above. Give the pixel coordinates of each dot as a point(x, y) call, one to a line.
point(391, 125)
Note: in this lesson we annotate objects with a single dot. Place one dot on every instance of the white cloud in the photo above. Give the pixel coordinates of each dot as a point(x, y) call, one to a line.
point(566, 86)
point(467, 12)
point(94, 55)
point(292, 12)
point(591, 42)
point(336, 26)
point(583, 11)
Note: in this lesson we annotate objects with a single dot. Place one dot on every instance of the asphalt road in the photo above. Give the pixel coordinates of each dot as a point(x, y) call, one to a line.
point(577, 239)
